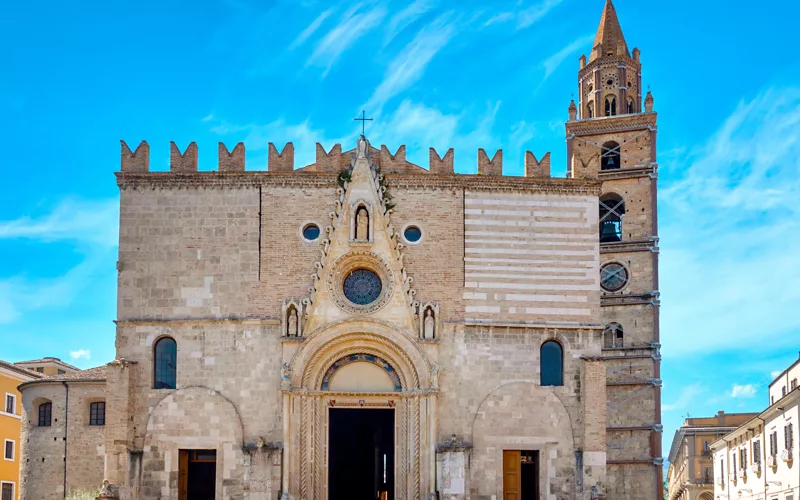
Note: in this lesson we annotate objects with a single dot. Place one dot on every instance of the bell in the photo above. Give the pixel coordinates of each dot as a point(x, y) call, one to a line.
point(609, 232)
point(610, 160)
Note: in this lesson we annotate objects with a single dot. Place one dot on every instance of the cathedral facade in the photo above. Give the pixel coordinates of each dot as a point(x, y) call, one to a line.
point(364, 327)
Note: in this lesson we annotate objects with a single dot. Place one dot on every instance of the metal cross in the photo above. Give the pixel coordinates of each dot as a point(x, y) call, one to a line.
point(363, 121)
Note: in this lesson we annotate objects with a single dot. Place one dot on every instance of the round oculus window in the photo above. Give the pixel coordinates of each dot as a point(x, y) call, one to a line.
point(412, 234)
point(311, 232)
point(362, 287)
point(613, 277)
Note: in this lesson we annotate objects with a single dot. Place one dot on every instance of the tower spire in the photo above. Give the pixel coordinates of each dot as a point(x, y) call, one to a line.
point(609, 40)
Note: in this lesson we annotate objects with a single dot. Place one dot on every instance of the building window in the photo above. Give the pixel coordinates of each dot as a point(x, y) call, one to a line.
point(45, 414)
point(613, 277)
point(794, 383)
point(311, 232)
point(743, 457)
point(412, 234)
point(166, 363)
point(11, 403)
point(611, 106)
point(722, 469)
point(7, 491)
point(756, 452)
point(61, 372)
point(631, 107)
point(40, 369)
point(788, 436)
point(773, 444)
point(590, 109)
point(610, 156)
point(783, 391)
point(97, 413)
point(612, 208)
point(8, 450)
point(708, 475)
point(552, 363)
point(613, 336)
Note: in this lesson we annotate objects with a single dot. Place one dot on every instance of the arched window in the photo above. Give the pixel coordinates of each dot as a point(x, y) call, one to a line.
point(45, 414)
point(165, 363)
point(552, 361)
point(609, 156)
point(611, 106)
point(612, 208)
point(613, 336)
point(590, 110)
point(631, 107)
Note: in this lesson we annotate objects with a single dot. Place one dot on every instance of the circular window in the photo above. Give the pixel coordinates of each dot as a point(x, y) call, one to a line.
point(311, 232)
point(412, 234)
point(362, 287)
point(613, 277)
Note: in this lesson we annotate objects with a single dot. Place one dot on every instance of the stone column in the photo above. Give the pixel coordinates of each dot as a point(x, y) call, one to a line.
point(593, 395)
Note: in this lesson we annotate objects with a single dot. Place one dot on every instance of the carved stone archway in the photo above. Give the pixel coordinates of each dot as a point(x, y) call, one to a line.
point(307, 404)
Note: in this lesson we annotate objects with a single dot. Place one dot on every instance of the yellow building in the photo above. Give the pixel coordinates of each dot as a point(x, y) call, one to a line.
point(10, 425)
point(691, 467)
point(47, 366)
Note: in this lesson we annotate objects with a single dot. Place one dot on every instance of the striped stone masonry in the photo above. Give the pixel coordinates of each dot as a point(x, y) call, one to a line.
point(530, 258)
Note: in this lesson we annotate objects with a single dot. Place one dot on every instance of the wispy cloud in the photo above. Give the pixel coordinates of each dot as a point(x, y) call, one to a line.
point(524, 17)
point(743, 391)
point(409, 65)
point(685, 398)
point(406, 17)
point(731, 227)
point(311, 28)
point(355, 23)
point(90, 225)
point(91, 221)
point(774, 374)
point(81, 354)
point(553, 62)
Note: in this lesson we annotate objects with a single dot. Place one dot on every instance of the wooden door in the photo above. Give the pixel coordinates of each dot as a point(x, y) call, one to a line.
point(512, 479)
point(183, 474)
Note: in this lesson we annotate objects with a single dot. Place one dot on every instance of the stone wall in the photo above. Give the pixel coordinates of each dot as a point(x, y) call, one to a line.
point(43, 450)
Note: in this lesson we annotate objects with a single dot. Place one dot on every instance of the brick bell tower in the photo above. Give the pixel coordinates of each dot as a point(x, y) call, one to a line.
point(611, 137)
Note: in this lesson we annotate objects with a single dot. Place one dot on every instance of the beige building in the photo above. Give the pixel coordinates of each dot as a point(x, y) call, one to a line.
point(758, 460)
point(691, 466)
point(363, 327)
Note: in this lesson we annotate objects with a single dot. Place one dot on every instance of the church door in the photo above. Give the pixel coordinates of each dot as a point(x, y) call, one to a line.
point(197, 474)
point(361, 454)
point(520, 475)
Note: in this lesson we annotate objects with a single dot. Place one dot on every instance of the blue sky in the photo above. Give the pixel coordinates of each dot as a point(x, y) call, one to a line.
point(76, 78)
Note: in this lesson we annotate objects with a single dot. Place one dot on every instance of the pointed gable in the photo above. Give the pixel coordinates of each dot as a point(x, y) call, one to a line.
point(609, 39)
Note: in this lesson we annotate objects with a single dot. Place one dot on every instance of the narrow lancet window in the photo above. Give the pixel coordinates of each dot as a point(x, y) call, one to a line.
point(552, 361)
point(165, 364)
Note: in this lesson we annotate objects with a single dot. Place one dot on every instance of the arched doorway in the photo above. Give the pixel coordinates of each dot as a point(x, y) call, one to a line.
point(354, 386)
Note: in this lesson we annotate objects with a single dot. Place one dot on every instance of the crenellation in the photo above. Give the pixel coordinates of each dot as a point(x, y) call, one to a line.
point(537, 168)
point(490, 167)
point(332, 161)
point(136, 161)
point(441, 165)
point(283, 161)
point(232, 161)
point(185, 162)
point(393, 162)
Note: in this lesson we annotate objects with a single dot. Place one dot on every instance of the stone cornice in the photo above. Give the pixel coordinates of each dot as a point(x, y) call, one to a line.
point(605, 62)
point(629, 246)
point(173, 180)
point(195, 321)
point(649, 170)
point(609, 124)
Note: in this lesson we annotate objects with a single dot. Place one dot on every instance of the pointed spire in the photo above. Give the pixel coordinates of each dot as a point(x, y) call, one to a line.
point(609, 38)
point(573, 111)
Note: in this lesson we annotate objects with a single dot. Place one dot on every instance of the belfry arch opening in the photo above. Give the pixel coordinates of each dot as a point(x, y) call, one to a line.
point(612, 208)
point(610, 156)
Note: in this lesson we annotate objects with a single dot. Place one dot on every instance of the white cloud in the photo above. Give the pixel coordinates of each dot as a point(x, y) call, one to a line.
point(553, 62)
point(92, 224)
point(353, 24)
point(410, 63)
point(81, 354)
point(311, 29)
point(405, 17)
point(730, 232)
point(685, 398)
point(91, 221)
point(524, 17)
point(774, 374)
point(208, 117)
point(743, 391)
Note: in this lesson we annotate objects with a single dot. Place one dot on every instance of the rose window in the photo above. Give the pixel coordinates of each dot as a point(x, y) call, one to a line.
point(362, 287)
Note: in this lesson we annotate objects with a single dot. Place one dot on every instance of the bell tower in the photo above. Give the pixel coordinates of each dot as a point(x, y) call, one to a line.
point(611, 137)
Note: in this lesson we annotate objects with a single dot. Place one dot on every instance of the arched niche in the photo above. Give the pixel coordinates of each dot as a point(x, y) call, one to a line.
point(361, 373)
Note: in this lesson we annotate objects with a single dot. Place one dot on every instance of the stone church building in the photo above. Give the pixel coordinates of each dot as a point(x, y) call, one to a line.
point(365, 328)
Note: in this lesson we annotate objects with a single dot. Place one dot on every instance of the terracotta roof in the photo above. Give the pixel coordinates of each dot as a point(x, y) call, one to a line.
point(96, 374)
point(47, 360)
point(21, 371)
